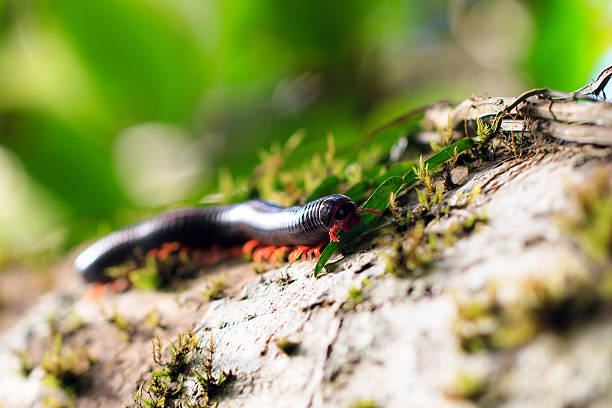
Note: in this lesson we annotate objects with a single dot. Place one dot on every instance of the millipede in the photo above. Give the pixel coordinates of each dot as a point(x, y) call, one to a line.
point(311, 225)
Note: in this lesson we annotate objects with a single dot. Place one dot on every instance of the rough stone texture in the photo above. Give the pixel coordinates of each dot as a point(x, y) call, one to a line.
point(396, 347)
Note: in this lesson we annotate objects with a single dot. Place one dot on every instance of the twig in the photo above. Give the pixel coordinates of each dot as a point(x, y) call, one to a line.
point(596, 86)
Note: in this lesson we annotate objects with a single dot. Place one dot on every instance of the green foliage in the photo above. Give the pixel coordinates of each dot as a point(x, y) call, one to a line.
point(238, 76)
point(572, 60)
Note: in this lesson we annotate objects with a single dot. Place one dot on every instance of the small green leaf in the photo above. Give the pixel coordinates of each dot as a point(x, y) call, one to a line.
point(327, 253)
point(328, 186)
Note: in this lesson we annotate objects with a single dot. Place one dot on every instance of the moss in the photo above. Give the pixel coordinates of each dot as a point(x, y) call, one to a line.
point(446, 138)
point(152, 319)
point(179, 350)
point(216, 288)
point(160, 267)
point(467, 385)
point(356, 295)
point(569, 296)
point(591, 225)
point(287, 346)
point(413, 253)
point(53, 324)
point(54, 401)
point(121, 323)
point(166, 385)
point(484, 132)
point(285, 278)
point(26, 362)
point(364, 403)
point(66, 326)
point(555, 302)
point(212, 387)
point(170, 263)
point(65, 367)
point(147, 277)
point(72, 324)
point(604, 287)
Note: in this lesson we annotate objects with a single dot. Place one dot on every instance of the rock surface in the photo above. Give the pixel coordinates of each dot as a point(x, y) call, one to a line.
point(364, 335)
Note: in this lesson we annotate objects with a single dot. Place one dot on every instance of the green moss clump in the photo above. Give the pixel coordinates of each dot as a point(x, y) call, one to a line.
point(591, 225)
point(166, 383)
point(212, 387)
point(555, 302)
point(159, 268)
point(413, 254)
point(364, 403)
point(356, 295)
point(216, 289)
point(26, 363)
point(152, 319)
point(471, 386)
point(121, 323)
point(165, 387)
point(287, 346)
point(65, 367)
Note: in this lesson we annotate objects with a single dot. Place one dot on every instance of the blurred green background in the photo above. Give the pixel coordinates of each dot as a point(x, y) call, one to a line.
point(112, 109)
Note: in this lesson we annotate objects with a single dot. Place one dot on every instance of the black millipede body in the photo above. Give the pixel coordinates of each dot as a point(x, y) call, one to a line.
point(200, 227)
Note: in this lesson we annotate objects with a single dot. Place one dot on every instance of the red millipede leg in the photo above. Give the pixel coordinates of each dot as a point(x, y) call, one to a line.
point(263, 253)
point(214, 254)
point(95, 292)
point(249, 246)
point(314, 251)
point(166, 249)
point(296, 253)
point(279, 254)
point(333, 232)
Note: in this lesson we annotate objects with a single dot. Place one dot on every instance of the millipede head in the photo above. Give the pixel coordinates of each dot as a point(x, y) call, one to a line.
point(342, 214)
